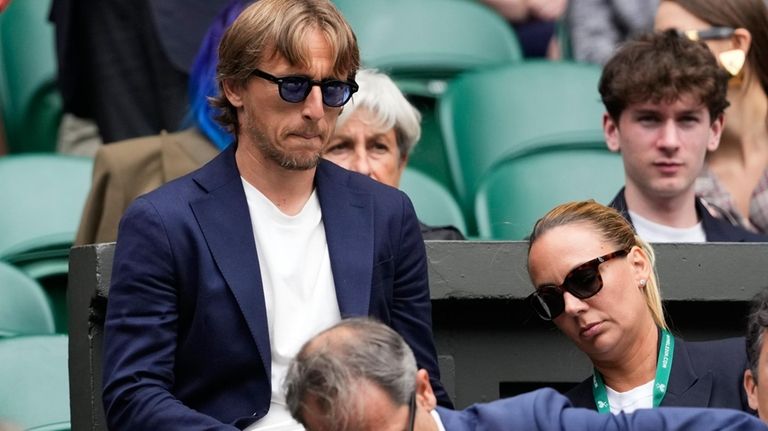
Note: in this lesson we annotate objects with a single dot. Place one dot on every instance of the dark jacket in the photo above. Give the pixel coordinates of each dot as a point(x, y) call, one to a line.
point(715, 229)
point(546, 410)
point(186, 341)
point(704, 374)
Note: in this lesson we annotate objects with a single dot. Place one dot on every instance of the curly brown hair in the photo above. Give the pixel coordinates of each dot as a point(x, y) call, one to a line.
point(662, 67)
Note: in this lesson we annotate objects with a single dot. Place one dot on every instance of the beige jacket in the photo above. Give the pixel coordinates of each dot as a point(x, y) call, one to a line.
point(126, 170)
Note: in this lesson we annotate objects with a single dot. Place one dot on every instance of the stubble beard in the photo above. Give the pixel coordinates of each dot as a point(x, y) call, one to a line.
point(294, 161)
point(286, 160)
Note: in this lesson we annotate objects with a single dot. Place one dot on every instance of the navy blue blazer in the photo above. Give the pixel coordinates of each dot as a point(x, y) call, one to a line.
point(546, 410)
point(704, 374)
point(186, 343)
point(715, 229)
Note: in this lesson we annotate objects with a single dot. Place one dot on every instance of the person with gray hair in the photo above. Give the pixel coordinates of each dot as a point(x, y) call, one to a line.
point(360, 375)
point(375, 134)
point(757, 358)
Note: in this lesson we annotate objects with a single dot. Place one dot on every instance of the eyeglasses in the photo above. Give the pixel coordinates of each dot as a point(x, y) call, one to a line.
point(712, 33)
point(295, 89)
point(412, 411)
point(583, 282)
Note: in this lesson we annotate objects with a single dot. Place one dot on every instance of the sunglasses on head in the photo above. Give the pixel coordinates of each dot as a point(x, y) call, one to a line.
point(712, 33)
point(295, 89)
point(584, 281)
point(412, 411)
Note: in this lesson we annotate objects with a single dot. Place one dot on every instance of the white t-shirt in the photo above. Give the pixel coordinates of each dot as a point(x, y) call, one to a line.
point(299, 292)
point(640, 397)
point(655, 232)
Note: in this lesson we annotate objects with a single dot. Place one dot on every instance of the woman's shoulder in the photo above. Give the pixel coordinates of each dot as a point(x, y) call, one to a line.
point(715, 352)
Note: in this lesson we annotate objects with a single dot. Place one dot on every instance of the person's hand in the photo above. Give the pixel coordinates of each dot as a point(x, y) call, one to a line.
point(546, 10)
point(4, 4)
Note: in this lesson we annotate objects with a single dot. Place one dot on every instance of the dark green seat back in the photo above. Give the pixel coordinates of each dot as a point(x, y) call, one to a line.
point(433, 203)
point(423, 43)
point(520, 189)
point(487, 114)
point(30, 102)
point(429, 38)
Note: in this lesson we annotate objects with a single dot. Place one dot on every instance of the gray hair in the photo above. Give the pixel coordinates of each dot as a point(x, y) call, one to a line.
point(330, 367)
point(757, 322)
point(382, 98)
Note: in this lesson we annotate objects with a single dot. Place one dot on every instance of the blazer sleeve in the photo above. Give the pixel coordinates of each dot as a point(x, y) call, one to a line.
point(546, 410)
point(141, 330)
point(411, 314)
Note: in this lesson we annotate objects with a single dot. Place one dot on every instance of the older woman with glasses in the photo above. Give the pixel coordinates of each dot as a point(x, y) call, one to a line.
point(376, 133)
point(735, 178)
point(594, 278)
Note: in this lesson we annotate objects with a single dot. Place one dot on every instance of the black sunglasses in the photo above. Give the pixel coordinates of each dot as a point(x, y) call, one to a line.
point(295, 89)
point(712, 33)
point(583, 282)
point(412, 411)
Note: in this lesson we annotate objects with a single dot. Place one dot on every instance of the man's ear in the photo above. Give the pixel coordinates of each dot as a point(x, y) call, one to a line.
point(750, 387)
point(716, 131)
point(424, 394)
point(233, 92)
point(611, 133)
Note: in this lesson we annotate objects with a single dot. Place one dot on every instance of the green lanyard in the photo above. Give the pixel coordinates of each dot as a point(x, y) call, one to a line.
point(663, 368)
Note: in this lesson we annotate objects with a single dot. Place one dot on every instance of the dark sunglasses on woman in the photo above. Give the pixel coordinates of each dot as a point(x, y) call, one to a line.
point(295, 89)
point(583, 281)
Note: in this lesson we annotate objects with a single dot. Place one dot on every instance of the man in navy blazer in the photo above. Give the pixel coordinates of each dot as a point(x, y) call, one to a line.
point(360, 375)
point(220, 276)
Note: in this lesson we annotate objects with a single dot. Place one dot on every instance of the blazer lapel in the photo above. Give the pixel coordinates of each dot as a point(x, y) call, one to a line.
point(686, 389)
point(348, 221)
point(226, 224)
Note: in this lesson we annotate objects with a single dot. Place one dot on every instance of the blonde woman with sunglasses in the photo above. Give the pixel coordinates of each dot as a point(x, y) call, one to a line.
point(735, 177)
point(595, 279)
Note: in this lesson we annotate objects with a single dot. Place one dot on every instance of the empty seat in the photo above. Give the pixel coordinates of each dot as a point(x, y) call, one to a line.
point(30, 101)
point(522, 188)
point(42, 198)
point(34, 382)
point(424, 43)
point(433, 203)
point(24, 308)
point(487, 114)
point(429, 39)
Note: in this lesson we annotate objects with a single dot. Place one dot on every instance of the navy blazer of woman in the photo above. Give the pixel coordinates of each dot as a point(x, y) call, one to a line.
point(704, 374)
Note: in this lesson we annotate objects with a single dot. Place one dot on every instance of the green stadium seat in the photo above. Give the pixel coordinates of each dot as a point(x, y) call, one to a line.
point(24, 309)
point(31, 104)
point(42, 198)
point(487, 114)
point(434, 205)
point(423, 43)
point(34, 382)
point(429, 39)
point(520, 189)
